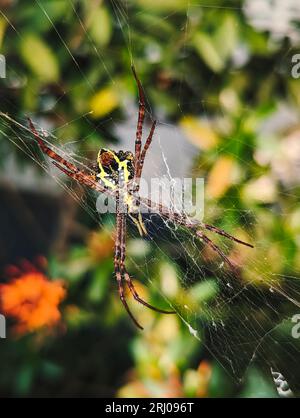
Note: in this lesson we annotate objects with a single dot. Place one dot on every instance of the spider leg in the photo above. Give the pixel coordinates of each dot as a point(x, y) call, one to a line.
point(123, 299)
point(119, 258)
point(126, 276)
point(81, 177)
point(140, 166)
point(140, 300)
point(141, 117)
point(71, 170)
point(194, 226)
point(52, 154)
point(147, 144)
point(216, 249)
point(225, 234)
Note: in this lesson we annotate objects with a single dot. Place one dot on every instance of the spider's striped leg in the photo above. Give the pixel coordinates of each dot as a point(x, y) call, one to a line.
point(138, 173)
point(119, 251)
point(183, 220)
point(46, 150)
point(146, 147)
point(140, 154)
point(216, 249)
point(141, 117)
point(83, 178)
point(140, 300)
point(122, 296)
point(225, 234)
point(71, 170)
point(196, 227)
point(126, 276)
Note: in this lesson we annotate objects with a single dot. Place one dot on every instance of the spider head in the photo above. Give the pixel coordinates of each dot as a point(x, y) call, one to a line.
point(113, 166)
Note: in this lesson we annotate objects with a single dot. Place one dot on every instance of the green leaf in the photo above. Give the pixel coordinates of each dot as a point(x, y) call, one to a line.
point(204, 291)
point(226, 36)
point(165, 5)
point(257, 386)
point(3, 25)
point(99, 283)
point(44, 14)
point(25, 379)
point(207, 50)
point(51, 370)
point(100, 26)
point(39, 58)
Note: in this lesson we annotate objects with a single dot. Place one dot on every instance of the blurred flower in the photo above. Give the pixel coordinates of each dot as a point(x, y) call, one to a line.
point(196, 382)
point(286, 161)
point(262, 189)
point(32, 300)
point(168, 387)
point(276, 16)
point(193, 383)
point(204, 371)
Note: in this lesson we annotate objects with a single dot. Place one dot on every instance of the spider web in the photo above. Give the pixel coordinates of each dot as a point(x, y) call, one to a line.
point(241, 319)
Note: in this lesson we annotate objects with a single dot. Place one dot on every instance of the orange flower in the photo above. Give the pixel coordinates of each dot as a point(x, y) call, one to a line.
point(32, 300)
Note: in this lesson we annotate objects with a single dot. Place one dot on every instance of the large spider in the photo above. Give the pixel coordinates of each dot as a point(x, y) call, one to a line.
point(118, 174)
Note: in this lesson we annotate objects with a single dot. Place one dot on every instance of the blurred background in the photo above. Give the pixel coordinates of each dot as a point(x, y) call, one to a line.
point(224, 82)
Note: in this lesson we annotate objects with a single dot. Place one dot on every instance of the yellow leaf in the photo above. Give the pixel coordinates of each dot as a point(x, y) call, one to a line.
point(199, 132)
point(220, 177)
point(100, 26)
point(165, 5)
point(3, 25)
point(104, 102)
point(40, 58)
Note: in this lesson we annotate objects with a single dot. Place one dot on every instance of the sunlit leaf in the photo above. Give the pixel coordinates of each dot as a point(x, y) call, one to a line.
point(104, 102)
point(164, 5)
point(40, 58)
point(208, 51)
point(100, 27)
point(199, 133)
point(204, 291)
point(220, 177)
point(168, 279)
point(3, 25)
point(226, 36)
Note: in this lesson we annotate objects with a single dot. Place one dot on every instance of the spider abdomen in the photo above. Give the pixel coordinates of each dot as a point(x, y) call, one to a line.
point(115, 167)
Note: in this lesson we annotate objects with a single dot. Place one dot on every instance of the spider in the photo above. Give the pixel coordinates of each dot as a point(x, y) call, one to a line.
point(118, 174)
